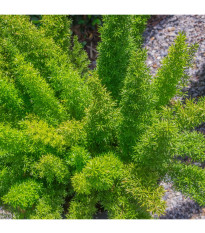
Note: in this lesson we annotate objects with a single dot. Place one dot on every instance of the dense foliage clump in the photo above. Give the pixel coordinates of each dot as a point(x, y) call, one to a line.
point(72, 139)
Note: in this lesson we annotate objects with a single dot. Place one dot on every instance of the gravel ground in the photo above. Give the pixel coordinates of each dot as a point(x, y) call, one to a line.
point(159, 35)
point(179, 207)
point(5, 214)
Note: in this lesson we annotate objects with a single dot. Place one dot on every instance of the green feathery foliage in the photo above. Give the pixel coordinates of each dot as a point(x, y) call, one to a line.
point(136, 102)
point(79, 58)
point(85, 204)
point(77, 158)
point(120, 36)
point(72, 140)
point(173, 71)
point(102, 118)
point(48, 208)
point(191, 144)
point(49, 59)
point(57, 27)
point(190, 180)
point(188, 115)
point(51, 168)
point(139, 23)
point(23, 196)
point(114, 52)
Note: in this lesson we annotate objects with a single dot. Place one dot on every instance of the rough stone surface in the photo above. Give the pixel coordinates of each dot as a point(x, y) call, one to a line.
point(5, 214)
point(179, 206)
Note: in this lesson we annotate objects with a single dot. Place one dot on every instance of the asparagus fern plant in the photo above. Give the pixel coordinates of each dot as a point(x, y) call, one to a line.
point(71, 139)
